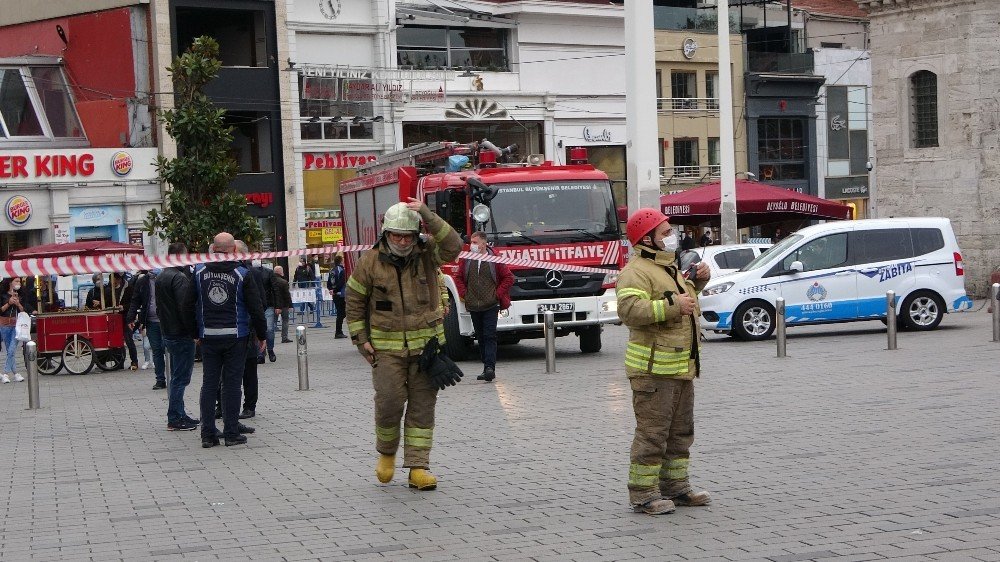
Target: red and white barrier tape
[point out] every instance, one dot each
(75, 265)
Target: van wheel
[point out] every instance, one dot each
(922, 311)
(753, 321)
(456, 346)
(590, 339)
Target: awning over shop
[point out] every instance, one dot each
(82, 249)
(756, 204)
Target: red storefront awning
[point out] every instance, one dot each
(82, 249)
(756, 204)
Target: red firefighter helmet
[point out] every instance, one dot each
(642, 222)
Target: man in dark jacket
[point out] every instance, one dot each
(484, 287)
(266, 278)
(142, 314)
(228, 311)
(255, 351)
(282, 300)
(336, 282)
(176, 311)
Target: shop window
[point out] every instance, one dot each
(683, 90)
(241, 34)
(36, 102)
(781, 149)
(251, 147)
(336, 108)
(472, 48)
(923, 109)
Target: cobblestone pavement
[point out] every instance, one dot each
(841, 451)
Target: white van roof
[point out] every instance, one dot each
(873, 224)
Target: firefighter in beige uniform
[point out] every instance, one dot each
(660, 308)
(393, 309)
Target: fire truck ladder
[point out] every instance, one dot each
(416, 155)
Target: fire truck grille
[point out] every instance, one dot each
(543, 284)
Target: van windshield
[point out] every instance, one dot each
(772, 251)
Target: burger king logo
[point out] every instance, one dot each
(18, 210)
(121, 163)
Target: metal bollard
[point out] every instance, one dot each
(779, 309)
(890, 317)
(550, 341)
(31, 363)
(996, 311)
(303, 354)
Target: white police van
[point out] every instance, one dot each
(840, 272)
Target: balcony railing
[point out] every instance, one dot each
(689, 174)
(785, 63)
(664, 105)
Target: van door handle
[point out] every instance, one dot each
(868, 270)
(843, 273)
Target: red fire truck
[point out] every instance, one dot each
(529, 210)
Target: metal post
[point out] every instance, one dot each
(303, 354)
(995, 294)
(779, 308)
(550, 341)
(31, 363)
(890, 317)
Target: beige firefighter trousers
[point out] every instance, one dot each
(664, 432)
(398, 383)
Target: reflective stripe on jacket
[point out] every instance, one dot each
(395, 303)
(661, 340)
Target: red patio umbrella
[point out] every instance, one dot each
(82, 249)
(756, 204)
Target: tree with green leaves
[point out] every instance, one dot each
(200, 202)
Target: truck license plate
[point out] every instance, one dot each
(556, 307)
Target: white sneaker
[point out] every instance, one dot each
(4, 378)
(18, 378)
(145, 365)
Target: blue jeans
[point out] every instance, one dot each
(272, 323)
(8, 335)
(181, 364)
(156, 344)
(485, 323)
(222, 360)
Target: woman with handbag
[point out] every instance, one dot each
(10, 307)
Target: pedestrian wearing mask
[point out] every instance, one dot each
(660, 308)
(282, 300)
(11, 304)
(485, 289)
(304, 278)
(142, 315)
(393, 312)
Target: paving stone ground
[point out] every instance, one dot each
(842, 451)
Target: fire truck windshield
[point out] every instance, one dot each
(570, 209)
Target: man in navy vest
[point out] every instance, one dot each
(228, 310)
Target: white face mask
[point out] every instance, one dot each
(255, 263)
(669, 243)
(15, 286)
(475, 248)
(400, 250)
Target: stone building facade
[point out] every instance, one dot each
(936, 86)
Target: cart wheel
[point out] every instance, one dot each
(110, 360)
(49, 364)
(78, 356)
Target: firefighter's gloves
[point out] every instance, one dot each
(368, 352)
(440, 369)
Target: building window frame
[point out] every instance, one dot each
(684, 89)
(445, 46)
(41, 113)
(781, 148)
(923, 109)
(686, 157)
(324, 114)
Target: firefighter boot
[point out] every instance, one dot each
(385, 468)
(692, 498)
(658, 506)
(422, 479)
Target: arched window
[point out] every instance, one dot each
(923, 109)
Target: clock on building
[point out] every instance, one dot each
(330, 8)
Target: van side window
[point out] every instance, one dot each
(883, 245)
(821, 253)
(926, 240)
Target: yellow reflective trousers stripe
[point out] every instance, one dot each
(357, 286)
(659, 363)
(643, 475)
(418, 437)
(387, 433)
(675, 469)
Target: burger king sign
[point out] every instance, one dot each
(121, 163)
(18, 210)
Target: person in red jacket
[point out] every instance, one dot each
(484, 287)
